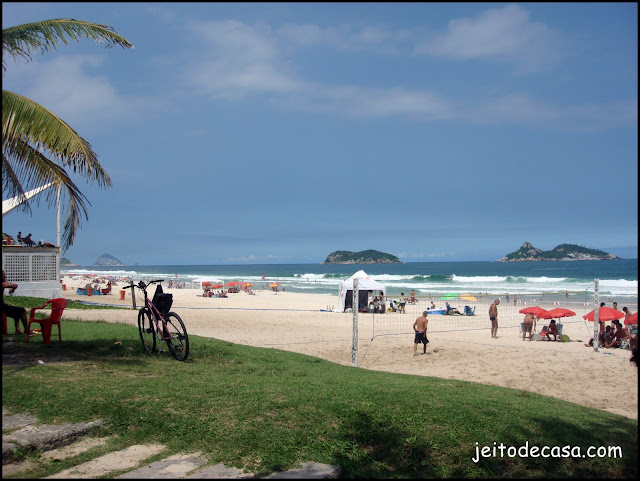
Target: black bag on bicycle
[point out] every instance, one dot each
(162, 301)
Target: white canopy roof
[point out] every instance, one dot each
(10, 204)
(365, 283)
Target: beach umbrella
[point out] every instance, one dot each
(468, 297)
(535, 310)
(558, 312)
(232, 283)
(243, 284)
(206, 283)
(632, 319)
(605, 314)
(275, 284)
(451, 295)
(248, 285)
(216, 286)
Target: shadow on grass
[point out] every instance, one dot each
(378, 449)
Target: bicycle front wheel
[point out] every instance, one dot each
(145, 326)
(177, 337)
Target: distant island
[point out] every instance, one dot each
(563, 252)
(67, 263)
(108, 260)
(363, 257)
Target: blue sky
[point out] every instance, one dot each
(278, 133)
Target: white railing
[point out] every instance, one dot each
(36, 270)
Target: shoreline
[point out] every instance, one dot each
(460, 346)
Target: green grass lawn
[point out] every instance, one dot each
(265, 410)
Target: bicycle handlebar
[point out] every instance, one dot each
(141, 284)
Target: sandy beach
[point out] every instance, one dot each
(300, 323)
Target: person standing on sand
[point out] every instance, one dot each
(493, 317)
(403, 301)
(529, 322)
(420, 328)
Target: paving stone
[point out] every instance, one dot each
(16, 468)
(309, 471)
(124, 459)
(176, 466)
(44, 437)
(219, 471)
(74, 449)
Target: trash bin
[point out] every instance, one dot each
(122, 293)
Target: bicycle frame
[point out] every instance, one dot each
(156, 316)
(172, 332)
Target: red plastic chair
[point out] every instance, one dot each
(57, 306)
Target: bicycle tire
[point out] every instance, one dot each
(178, 341)
(145, 327)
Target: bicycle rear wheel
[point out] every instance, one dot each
(145, 326)
(178, 339)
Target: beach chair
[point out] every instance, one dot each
(469, 312)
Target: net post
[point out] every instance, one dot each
(354, 337)
(596, 324)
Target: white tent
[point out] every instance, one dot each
(365, 284)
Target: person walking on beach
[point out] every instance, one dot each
(493, 317)
(403, 301)
(420, 328)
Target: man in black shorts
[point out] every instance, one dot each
(420, 328)
(493, 317)
(18, 313)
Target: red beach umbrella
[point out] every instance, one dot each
(535, 310)
(605, 314)
(216, 286)
(632, 319)
(558, 312)
(232, 283)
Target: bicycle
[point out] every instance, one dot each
(155, 322)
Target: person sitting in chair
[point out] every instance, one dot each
(28, 242)
(552, 330)
(618, 336)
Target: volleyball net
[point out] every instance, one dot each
(453, 312)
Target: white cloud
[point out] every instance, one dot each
(64, 86)
(507, 33)
(237, 60)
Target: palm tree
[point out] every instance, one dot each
(37, 146)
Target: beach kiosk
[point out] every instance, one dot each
(365, 286)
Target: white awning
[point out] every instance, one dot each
(10, 204)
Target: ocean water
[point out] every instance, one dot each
(617, 278)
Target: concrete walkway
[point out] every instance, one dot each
(55, 442)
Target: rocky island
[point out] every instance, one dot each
(563, 252)
(363, 257)
(108, 260)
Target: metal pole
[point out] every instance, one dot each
(354, 337)
(58, 232)
(596, 317)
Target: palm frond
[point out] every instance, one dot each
(25, 121)
(24, 40)
(37, 170)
